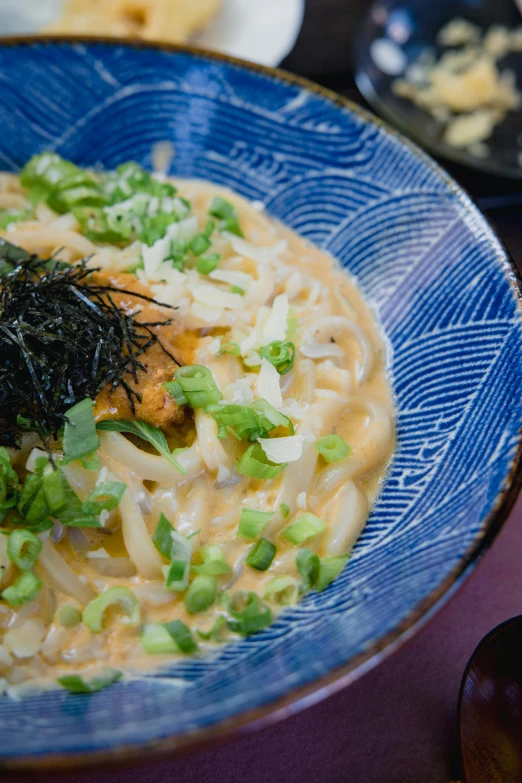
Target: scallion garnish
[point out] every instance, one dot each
(9, 482)
(182, 636)
(206, 264)
(23, 589)
(162, 536)
(303, 528)
(120, 597)
(281, 355)
(247, 612)
(282, 590)
(156, 640)
(75, 683)
(224, 210)
(105, 497)
(252, 522)
(198, 385)
(284, 510)
(255, 464)
(201, 594)
(164, 638)
(176, 392)
(307, 563)
(147, 432)
(213, 562)
(261, 555)
(332, 448)
(231, 348)
(177, 574)
(91, 462)
(79, 432)
(217, 632)
(23, 548)
(69, 616)
(329, 569)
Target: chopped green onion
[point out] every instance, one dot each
(284, 510)
(231, 348)
(177, 574)
(8, 484)
(23, 549)
(201, 594)
(198, 385)
(91, 462)
(176, 392)
(182, 636)
(248, 614)
(147, 432)
(155, 227)
(303, 528)
(282, 590)
(69, 616)
(164, 638)
(240, 420)
(105, 497)
(79, 433)
(199, 245)
(291, 326)
(329, 569)
(206, 264)
(235, 289)
(59, 183)
(218, 631)
(281, 355)
(252, 522)
(222, 209)
(272, 418)
(162, 536)
(74, 683)
(32, 505)
(261, 555)
(8, 216)
(156, 640)
(213, 562)
(332, 448)
(307, 563)
(255, 463)
(53, 487)
(121, 597)
(23, 589)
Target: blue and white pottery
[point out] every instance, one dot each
(447, 297)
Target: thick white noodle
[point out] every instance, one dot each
(210, 446)
(316, 342)
(194, 511)
(305, 378)
(348, 520)
(60, 575)
(136, 537)
(42, 239)
(150, 467)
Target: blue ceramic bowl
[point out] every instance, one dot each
(448, 299)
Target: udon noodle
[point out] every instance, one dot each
(283, 332)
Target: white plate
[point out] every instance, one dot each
(262, 31)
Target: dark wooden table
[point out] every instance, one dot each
(396, 724)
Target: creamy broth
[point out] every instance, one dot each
(269, 286)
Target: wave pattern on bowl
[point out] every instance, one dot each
(432, 270)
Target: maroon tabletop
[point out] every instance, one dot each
(397, 723)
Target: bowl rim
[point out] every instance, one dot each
(340, 677)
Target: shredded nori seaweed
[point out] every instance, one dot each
(62, 339)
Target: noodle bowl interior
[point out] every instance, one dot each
(228, 464)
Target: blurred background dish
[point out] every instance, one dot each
(448, 74)
(262, 32)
